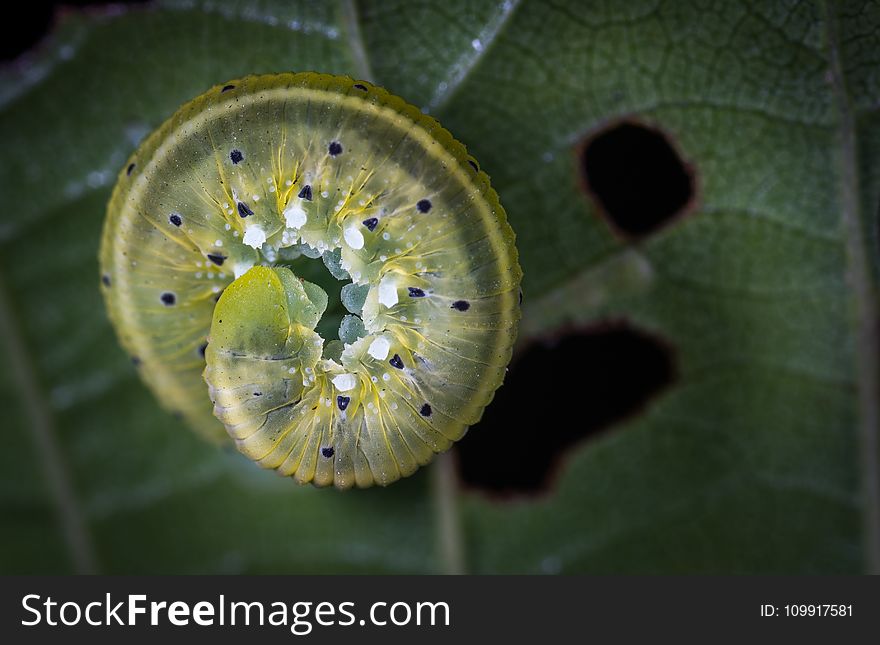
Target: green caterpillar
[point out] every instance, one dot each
(215, 205)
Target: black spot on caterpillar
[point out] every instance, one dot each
(344, 413)
(244, 210)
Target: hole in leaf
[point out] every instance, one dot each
(34, 20)
(557, 394)
(30, 27)
(637, 178)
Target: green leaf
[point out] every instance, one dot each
(761, 456)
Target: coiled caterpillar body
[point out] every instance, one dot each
(263, 170)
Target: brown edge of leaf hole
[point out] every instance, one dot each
(559, 462)
(690, 207)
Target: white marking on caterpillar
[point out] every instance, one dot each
(379, 348)
(295, 215)
(254, 237)
(388, 291)
(354, 238)
(344, 382)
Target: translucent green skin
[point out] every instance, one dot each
(414, 219)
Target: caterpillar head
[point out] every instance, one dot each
(206, 230)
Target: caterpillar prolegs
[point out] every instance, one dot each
(216, 205)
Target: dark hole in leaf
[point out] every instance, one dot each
(556, 395)
(637, 177)
(34, 20)
(30, 27)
